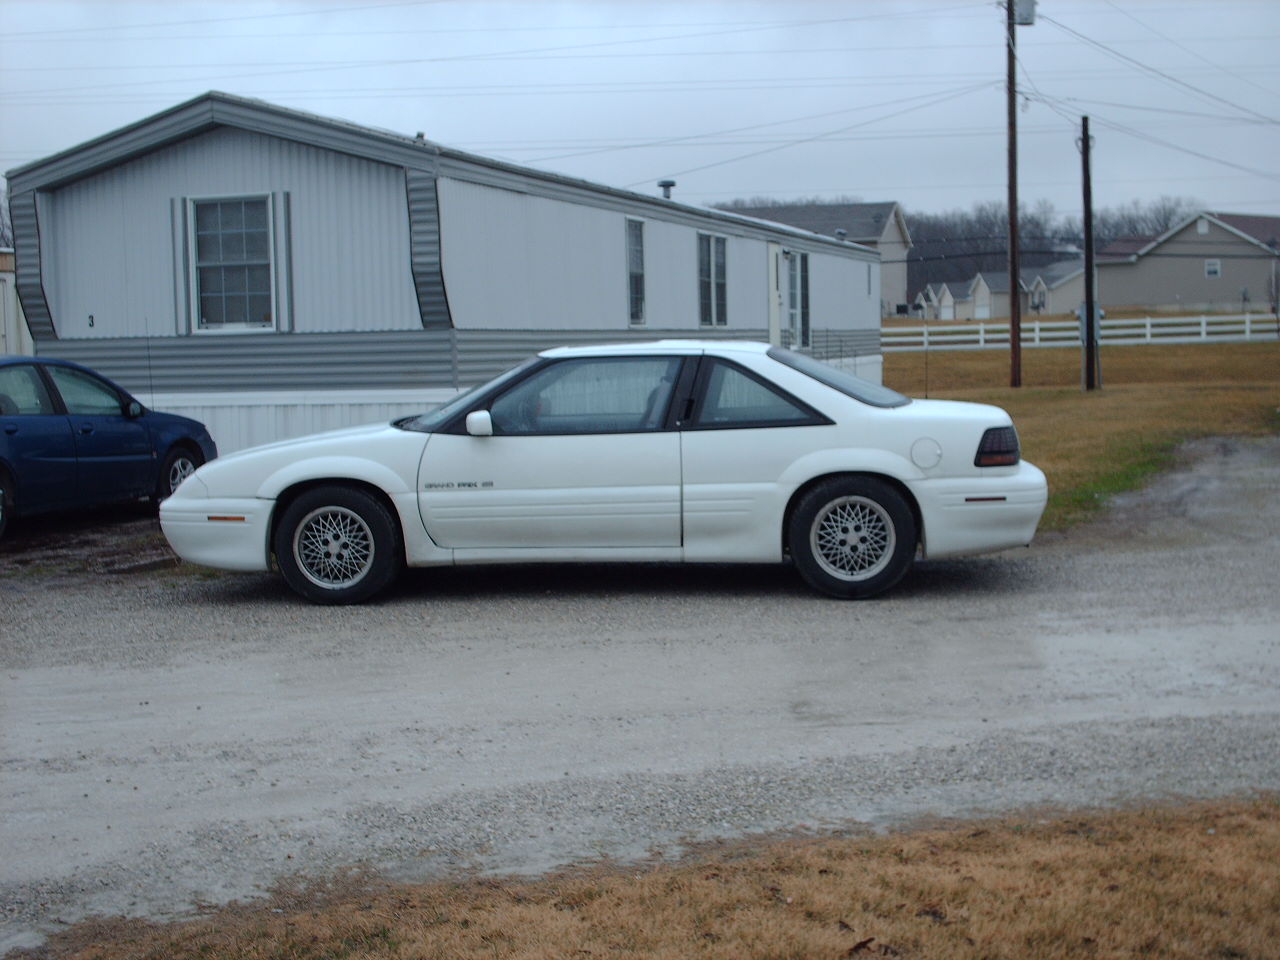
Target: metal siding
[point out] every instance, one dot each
(343, 361)
(424, 249)
(26, 242)
(513, 261)
(111, 237)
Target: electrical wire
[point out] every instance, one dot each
(756, 153)
(1115, 54)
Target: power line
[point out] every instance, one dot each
(417, 61)
(1152, 70)
(756, 153)
(1185, 48)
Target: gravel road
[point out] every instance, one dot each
(171, 737)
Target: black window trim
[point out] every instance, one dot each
(699, 398)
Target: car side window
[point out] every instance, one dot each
(82, 394)
(22, 392)
(591, 395)
(733, 398)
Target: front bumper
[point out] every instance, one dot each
(981, 514)
(230, 534)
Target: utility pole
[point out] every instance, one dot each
(1090, 325)
(1015, 306)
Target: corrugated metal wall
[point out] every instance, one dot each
(110, 237)
(349, 361)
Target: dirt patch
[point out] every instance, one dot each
(119, 539)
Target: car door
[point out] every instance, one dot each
(741, 436)
(580, 457)
(113, 450)
(35, 441)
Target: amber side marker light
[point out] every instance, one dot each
(998, 448)
(226, 519)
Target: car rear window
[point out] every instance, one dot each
(842, 380)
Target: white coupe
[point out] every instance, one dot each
(698, 451)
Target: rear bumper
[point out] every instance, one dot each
(230, 534)
(981, 514)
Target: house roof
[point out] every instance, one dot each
(1124, 248)
(215, 109)
(862, 222)
(1263, 231)
(1053, 274)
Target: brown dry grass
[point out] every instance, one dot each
(1095, 444)
(1196, 882)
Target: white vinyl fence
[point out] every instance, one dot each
(981, 335)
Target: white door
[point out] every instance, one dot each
(581, 457)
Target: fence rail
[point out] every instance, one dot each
(981, 335)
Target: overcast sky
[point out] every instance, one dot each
(874, 99)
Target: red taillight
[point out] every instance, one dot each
(998, 448)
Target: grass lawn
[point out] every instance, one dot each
(1196, 882)
(1095, 444)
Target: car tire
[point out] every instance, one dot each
(338, 545)
(852, 537)
(179, 464)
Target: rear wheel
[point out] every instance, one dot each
(852, 537)
(337, 545)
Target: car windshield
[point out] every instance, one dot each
(433, 420)
(837, 379)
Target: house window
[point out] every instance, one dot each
(1202, 226)
(635, 269)
(712, 290)
(232, 288)
(1213, 268)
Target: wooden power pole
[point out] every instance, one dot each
(1015, 305)
(1090, 326)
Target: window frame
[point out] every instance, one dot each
(713, 308)
(51, 405)
(676, 382)
(1213, 269)
(635, 317)
(51, 372)
(702, 382)
(798, 298)
(193, 268)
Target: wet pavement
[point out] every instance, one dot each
(171, 736)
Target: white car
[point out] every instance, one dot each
(697, 451)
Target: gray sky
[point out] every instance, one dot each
(876, 99)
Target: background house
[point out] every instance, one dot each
(1055, 288)
(877, 225)
(14, 337)
(274, 272)
(1217, 262)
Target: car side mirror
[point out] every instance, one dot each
(134, 410)
(480, 423)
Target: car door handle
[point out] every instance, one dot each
(86, 428)
(11, 428)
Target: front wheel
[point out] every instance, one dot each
(852, 537)
(178, 465)
(337, 545)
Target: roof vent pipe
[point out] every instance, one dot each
(841, 233)
(666, 186)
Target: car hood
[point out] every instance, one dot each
(347, 438)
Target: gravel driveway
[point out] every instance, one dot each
(170, 737)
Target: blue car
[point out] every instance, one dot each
(70, 438)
